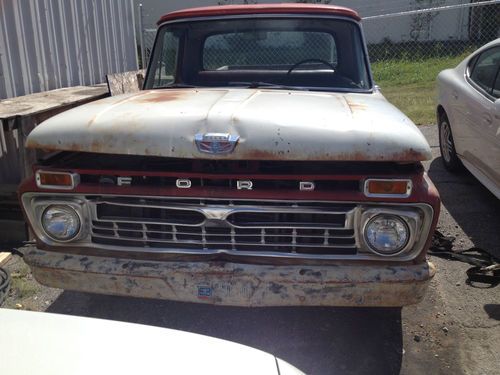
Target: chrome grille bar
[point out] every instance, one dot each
(193, 242)
(232, 232)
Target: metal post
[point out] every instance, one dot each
(141, 39)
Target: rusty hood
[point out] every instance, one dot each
(268, 124)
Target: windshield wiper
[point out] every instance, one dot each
(250, 85)
(177, 86)
(257, 84)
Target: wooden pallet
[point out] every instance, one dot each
(4, 258)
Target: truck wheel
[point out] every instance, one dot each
(447, 146)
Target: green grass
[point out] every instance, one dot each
(411, 85)
(21, 286)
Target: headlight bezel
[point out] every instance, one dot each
(394, 218)
(61, 207)
(40, 206)
(411, 218)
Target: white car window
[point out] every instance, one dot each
(485, 69)
(496, 86)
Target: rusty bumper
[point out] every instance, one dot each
(234, 284)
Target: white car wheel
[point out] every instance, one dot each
(447, 146)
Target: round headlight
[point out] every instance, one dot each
(386, 234)
(61, 223)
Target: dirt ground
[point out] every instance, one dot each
(455, 330)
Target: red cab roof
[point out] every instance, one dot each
(224, 10)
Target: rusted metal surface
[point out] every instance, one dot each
(271, 124)
(234, 284)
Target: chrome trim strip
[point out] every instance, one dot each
(205, 242)
(222, 212)
(228, 210)
(234, 234)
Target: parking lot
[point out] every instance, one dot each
(455, 330)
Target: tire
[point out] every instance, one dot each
(447, 146)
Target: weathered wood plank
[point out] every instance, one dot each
(4, 258)
(124, 83)
(30, 105)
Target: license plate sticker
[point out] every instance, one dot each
(224, 290)
(204, 291)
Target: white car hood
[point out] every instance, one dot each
(270, 124)
(52, 344)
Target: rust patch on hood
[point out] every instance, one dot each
(164, 96)
(405, 155)
(30, 143)
(262, 155)
(353, 106)
(409, 155)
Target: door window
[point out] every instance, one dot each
(496, 86)
(484, 72)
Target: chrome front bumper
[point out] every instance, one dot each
(234, 284)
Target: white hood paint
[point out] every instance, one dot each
(271, 124)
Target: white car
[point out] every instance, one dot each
(468, 114)
(53, 344)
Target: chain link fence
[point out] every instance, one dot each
(148, 37)
(429, 32)
(413, 29)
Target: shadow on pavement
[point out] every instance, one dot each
(316, 340)
(493, 310)
(474, 208)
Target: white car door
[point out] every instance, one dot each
(482, 119)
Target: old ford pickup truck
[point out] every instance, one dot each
(259, 166)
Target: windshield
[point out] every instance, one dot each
(300, 53)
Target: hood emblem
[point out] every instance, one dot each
(216, 143)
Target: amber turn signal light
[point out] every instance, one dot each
(56, 180)
(388, 188)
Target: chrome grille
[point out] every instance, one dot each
(214, 225)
